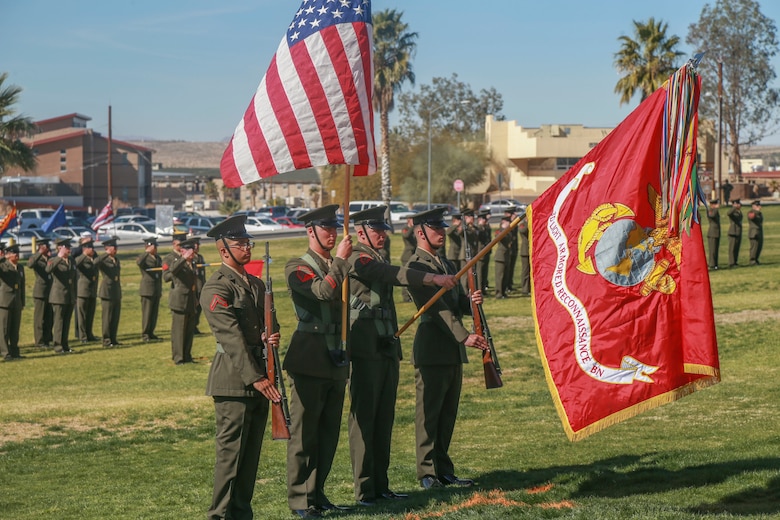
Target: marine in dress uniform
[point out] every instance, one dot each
(42, 311)
(514, 247)
(735, 231)
(179, 270)
(407, 235)
(63, 294)
(316, 361)
(200, 280)
(455, 239)
(438, 355)
(713, 232)
(469, 237)
(502, 259)
(523, 253)
(86, 291)
(376, 353)
(233, 305)
(484, 237)
(150, 289)
(755, 231)
(110, 291)
(11, 302)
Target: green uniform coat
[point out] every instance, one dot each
(182, 300)
(62, 298)
(755, 234)
(150, 291)
(110, 294)
(86, 296)
(42, 311)
(735, 235)
(713, 235)
(11, 304)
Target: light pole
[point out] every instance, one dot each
(430, 114)
(719, 157)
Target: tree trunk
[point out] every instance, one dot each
(387, 188)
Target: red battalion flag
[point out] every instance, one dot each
(314, 105)
(622, 300)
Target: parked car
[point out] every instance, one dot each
(272, 211)
(288, 222)
(200, 225)
(25, 236)
(73, 232)
(261, 225)
(297, 212)
(133, 231)
(34, 218)
(498, 206)
(124, 219)
(451, 208)
(399, 211)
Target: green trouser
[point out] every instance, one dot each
(182, 333)
(61, 328)
(436, 407)
(111, 311)
(150, 309)
(85, 309)
(315, 412)
(10, 319)
(373, 388)
(500, 278)
(756, 244)
(42, 322)
(734, 243)
(713, 243)
(240, 427)
(525, 274)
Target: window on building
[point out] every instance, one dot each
(565, 163)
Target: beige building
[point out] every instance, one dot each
(527, 161)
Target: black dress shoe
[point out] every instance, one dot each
(392, 495)
(330, 506)
(181, 363)
(430, 482)
(311, 512)
(452, 480)
(366, 502)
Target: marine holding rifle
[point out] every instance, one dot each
(438, 355)
(232, 302)
(316, 361)
(375, 353)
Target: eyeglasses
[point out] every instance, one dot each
(246, 246)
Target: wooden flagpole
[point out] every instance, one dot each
(345, 284)
(464, 270)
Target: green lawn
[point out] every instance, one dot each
(125, 434)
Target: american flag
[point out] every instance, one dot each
(314, 105)
(105, 216)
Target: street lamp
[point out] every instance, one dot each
(430, 114)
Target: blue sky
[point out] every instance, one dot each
(175, 69)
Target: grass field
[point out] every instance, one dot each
(125, 434)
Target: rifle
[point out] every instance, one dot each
(489, 359)
(280, 414)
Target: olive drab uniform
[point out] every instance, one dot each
(713, 235)
(503, 251)
(469, 235)
(375, 366)
(151, 293)
(484, 237)
(42, 311)
(735, 234)
(233, 306)
(438, 355)
(182, 300)
(11, 304)
(318, 369)
(454, 235)
(86, 296)
(200, 281)
(62, 298)
(755, 233)
(410, 244)
(525, 260)
(110, 294)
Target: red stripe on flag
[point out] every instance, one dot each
(228, 170)
(258, 146)
(365, 42)
(291, 130)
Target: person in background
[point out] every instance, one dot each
(407, 235)
(713, 232)
(502, 260)
(316, 362)
(376, 353)
(180, 272)
(455, 236)
(514, 247)
(525, 261)
(150, 288)
(200, 280)
(232, 301)
(86, 291)
(735, 231)
(110, 291)
(755, 231)
(63, 294)
(438, 355)
(11, 302)
(42, 311)
(484, 237)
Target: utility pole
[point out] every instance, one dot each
(110, 188)
(719, 158)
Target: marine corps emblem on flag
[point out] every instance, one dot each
(622, 301)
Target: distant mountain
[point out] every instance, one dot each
(184, 154)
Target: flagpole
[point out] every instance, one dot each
(459, 274)
(345, 284)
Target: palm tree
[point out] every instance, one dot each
(394, 48)
(647, 61)
(13, 152)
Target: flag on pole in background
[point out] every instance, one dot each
(105, 216)
(56, 220)
(314, 105)
(255, 268)
(622, 299)
(9, 221)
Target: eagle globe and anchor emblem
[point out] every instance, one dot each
(613, 245)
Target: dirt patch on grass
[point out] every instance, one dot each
(733, 318)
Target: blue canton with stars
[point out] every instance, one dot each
(315, 15)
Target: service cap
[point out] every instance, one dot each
(232, 228)
(432, 218)
(371, 217)
(322, 217)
